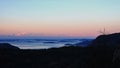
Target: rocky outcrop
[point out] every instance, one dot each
(116, 55)
(7, 46)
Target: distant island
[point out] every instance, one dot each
(102, 52)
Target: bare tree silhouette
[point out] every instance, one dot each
(103, 32)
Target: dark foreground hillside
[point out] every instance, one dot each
(65, 57)
(94, 56)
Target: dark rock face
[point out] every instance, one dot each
(7, 46)
(116, 55)
(111, 40)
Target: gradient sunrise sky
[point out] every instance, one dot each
(83, 18)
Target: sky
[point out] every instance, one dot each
(74, 18)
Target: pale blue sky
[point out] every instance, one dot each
(59, 8)
(93, 13)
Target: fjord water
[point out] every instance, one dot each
(39, 43)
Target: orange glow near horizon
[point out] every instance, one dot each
(75, 18)
(60, 28)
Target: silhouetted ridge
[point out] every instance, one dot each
(111, 40)
(83, 43)
(7, 46)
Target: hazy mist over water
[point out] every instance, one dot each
(39, 43)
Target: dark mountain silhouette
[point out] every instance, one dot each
(84, 43)
(111, 40)
(103, 52)
(7, 46)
